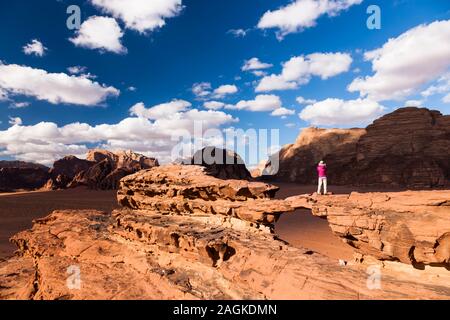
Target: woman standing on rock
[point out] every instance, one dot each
(322, 172)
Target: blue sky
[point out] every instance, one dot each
(46, 111)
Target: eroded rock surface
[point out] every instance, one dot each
(18, 175)
(146, 252)
(412, 227)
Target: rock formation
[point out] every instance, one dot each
(410, 227)
(101, 169)
(406, 148)
(181, 235)
(18, 175)
(220, 163)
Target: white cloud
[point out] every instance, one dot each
(299, 70)
(290, 125)
(15, 121)
(52, 87)
(414, 103)
(101, 33)
(255, 64)
(302, 14)
(45, 142)
(141, 15)
(35, 47)
(404, 64)
(301, 100)
(341, 112)
(201, 89)
(446, 99)
(259, 73)
(77, 69)
(224, 90)
(442, 86)
(238, 33)
(262, 102)
(281, 112)
(214, 105)
(164, 110)
(20, 105)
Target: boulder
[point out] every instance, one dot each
(221, 163)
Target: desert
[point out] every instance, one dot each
(226, 158)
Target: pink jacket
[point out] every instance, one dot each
(322, 170)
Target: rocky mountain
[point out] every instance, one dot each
(102, 169)
(18, 175)
(183, 234)
(409, 147)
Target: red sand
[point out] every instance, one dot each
(17, 211)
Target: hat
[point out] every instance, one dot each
(321, 162)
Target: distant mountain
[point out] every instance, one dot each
(409, 147)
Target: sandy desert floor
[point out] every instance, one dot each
(17, 211)
(299, 228)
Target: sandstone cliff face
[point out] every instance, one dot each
(406, 148)
(16, 175)
(298, 161)
(187, 251)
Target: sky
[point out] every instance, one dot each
(143, 74)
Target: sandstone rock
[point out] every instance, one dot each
(109, 168)
(191, 190)
(220, 163)
(186, 235)
(412, 227)
(183, 257)
(406, 148)
(65, 170)
(19, 175)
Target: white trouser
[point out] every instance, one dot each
(322, 181)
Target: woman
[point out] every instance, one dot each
(322, 172)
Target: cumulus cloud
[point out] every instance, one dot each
(141, 15)
(15, 121)
(301, 100)
(446, 99)
(282, 112)
(35, 47)
(255, 64)
(406, 63)
(214, 105)
(299, 70)
(341, 112)
(52, 87)
(201, 89)
(102, 33)
(224, 90)
(152, 132)
(77, 69)
(302, 14)
(164, 110)
(262, 103)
